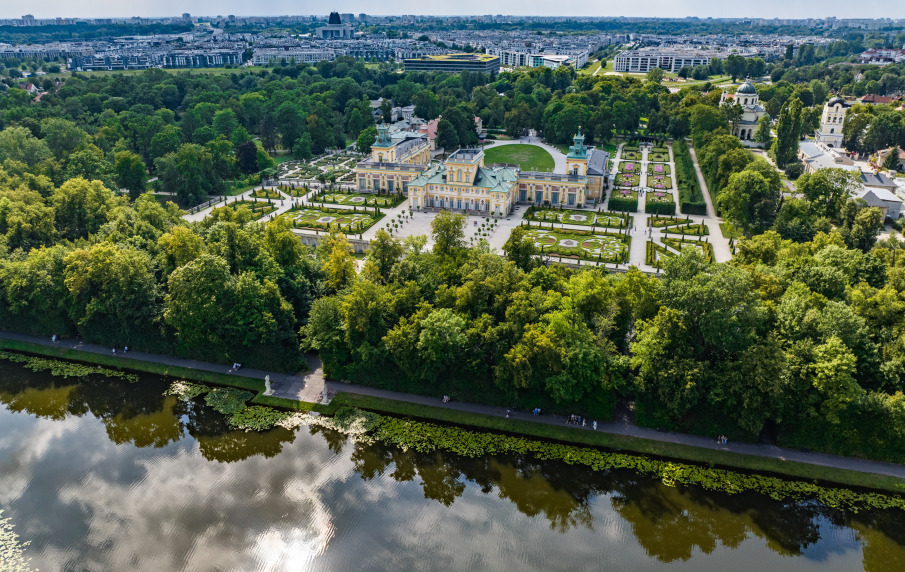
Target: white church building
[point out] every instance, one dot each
(746, 96)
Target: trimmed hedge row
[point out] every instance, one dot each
(691, 198)
(623, 204)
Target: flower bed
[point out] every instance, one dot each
(628, 180)
(358, 199)
(659, 203)
(659, 182)
(657, 169)
(678, 244)
(631, 155)
(576, 217)
(623, 200)
(582, 245)
(344, 220)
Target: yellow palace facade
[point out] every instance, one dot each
(464, 183)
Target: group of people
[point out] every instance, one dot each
(536, 411)
(125, 349)
(578, 420)
(236, 366)
(445, 399)
(722, 439)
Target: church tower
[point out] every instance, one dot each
(830, 133)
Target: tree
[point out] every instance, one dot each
(338, 262)
(81, 207)
(62, 136)
(197, 301)
(654, 75)
(355, 124)
(366, 139)
(384, 252)
(763, 134)
(442, 337)
(520, 249)
(427, 106)
(18, 144)
(167, 140)
(446, 136)
(891, 163)
(113, 297)
(732, 114)
(448, 232)
(788, 130)
(736, 66)
(247, 157)
(738, 197)
(386, 109)
(130, 173)
(302, 147)
(828, 189)
(189, 173)
(225, 122)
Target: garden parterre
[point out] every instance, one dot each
(603, 247)
(347, 221)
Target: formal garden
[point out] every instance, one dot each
(699, 229)
(352, 199)
(267, 194)
(628, 175)
(576, 217)
(658, 154)
(657, 169)
(659, 181)
(330, 168)
(659, 202)
(604, 247)
(631, 152)
(345, 220)
(257, 208)
(623, 200)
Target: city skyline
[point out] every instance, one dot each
(567, 8)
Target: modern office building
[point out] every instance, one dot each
(484, 63)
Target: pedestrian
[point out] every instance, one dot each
(595, 425)
(54, 338)
(507, 414)
(125, 349)
(114, 351)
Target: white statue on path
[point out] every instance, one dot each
(267, 389)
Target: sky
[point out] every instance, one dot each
(646, 8)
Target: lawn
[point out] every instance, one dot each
(347, 221)
(657, 169)
(576, 217)
(630, 179)
(586, 245)
(679, 244)
(730, 231)
(659, 182)
(358, 199)
(527, 157)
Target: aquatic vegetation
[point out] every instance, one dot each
(186, 390)
(61, 368)
(257, 418)
(12, 552)
(227, 400)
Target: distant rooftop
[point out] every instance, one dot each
(467, 155)
(460, 57)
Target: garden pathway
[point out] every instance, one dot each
(309, 387)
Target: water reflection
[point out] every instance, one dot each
(109, 475)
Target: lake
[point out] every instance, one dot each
(106, 475)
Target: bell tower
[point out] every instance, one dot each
(577, 159)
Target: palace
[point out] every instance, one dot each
(463, 182)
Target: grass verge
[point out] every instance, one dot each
(625, 443)
(123, 362)
(730, 231)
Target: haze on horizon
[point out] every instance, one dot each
(651, 8)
